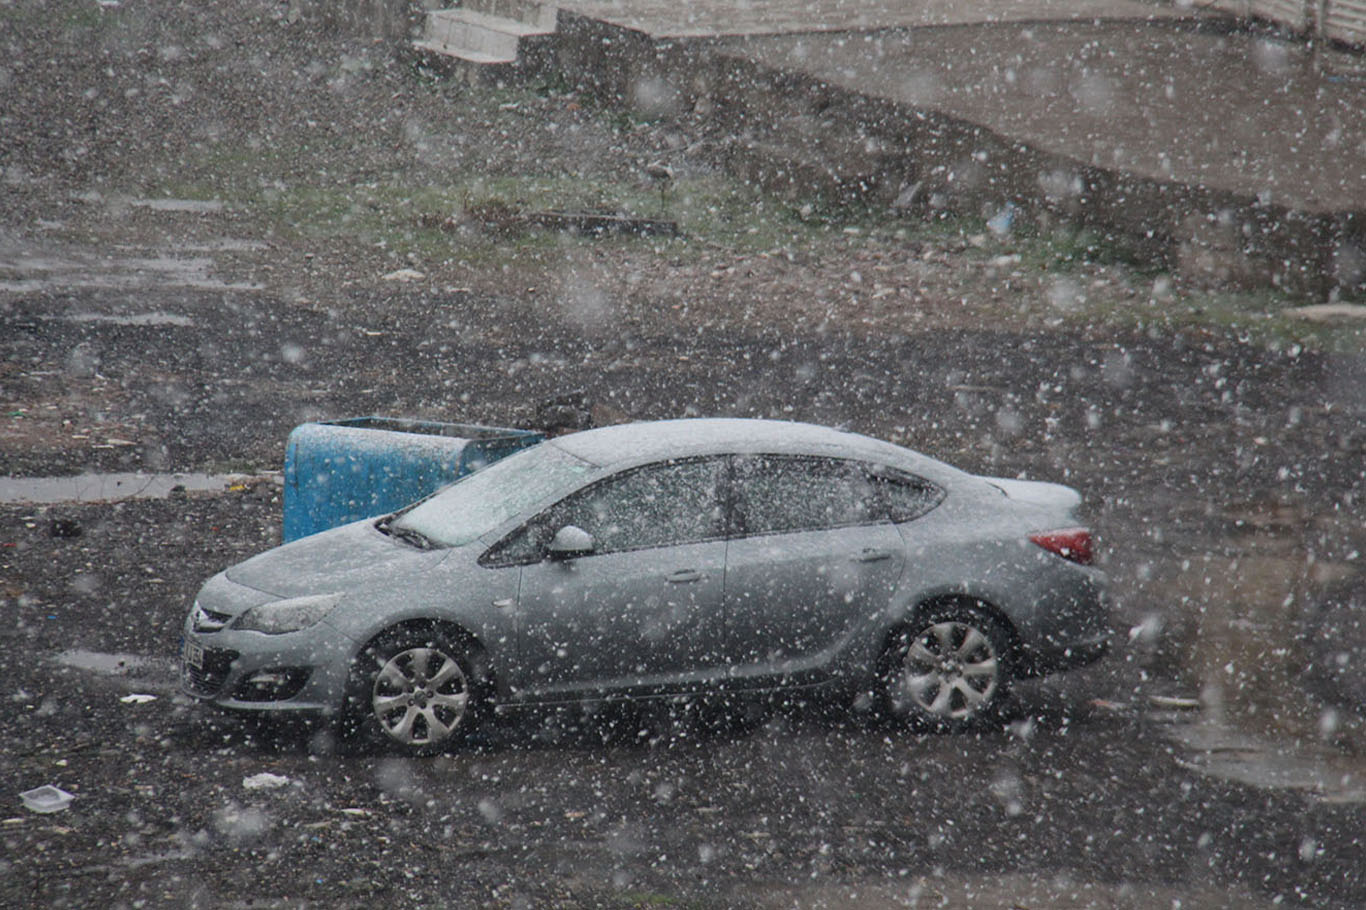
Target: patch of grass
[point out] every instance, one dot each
(1261, 318)
(1257, 318)
(711, 209)
(72, 15)
(1071, 247)
(553, 83)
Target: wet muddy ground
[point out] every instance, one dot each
(1081, 802)
(169, 304)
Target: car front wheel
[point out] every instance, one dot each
(412, 691)
(950, 669)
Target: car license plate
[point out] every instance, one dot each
(192, 654)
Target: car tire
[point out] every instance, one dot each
(411, 691)
(949, 669)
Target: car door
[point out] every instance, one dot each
(811, 554)
(644, 608)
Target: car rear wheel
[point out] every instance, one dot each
(412, 691)
(950, 669)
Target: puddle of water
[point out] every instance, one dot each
(193, 206)
(107, 487)
(1232, 624)
(170, 856)
(86, 271)
(157, 676)
(137, 319)
(124, 282)
(115, 664)
(997, 892)
(1214, 749)
(1244, 655)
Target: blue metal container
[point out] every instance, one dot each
(338, 471)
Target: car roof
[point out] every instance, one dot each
(639, 442)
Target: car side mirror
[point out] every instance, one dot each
(569, 542)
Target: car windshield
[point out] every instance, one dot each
(475, 505)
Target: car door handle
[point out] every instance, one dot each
(868, 554)
(683, 576)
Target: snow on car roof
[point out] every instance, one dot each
(661, 439)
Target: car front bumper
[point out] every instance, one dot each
(251, 671)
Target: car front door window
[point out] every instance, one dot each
(657, 506)
(642, 610)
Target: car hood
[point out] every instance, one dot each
(342, 559)
(1037, 493)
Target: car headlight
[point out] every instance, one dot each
(287, 615)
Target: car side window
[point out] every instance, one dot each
(779, 493)
(663, 504)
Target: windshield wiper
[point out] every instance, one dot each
(409, 536)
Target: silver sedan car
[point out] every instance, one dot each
(658, 561)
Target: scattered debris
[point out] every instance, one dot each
(46, 799)
(264, 781)
(565, 413)
(1001, 223)
(595, 224)
(64, 528)
(499, 218)
(1174, 703)
(404, 275)
(1329, 312)
(115, 487)
(492, 216)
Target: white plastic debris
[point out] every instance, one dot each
(264, 781)
(404, 275)
(46, 799)
(1174, 703)
(1329, 312)
(137, 698)
(1001, 223)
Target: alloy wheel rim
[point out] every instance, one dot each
(950, 670)
(420, 696)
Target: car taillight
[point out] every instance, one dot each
(1070, 543)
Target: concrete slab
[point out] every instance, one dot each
(1225, 112)
(716, 18)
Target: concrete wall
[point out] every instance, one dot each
(1338, 20)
